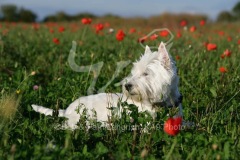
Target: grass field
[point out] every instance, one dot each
(35, 70)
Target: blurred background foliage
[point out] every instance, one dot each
(12, 13)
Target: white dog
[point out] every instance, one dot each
(153, 82)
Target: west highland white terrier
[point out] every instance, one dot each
(153, 82)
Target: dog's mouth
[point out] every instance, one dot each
(132, 94)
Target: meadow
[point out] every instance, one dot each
(35, 70)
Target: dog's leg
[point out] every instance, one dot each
(180, 112)
(47, 111)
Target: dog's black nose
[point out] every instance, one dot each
(128, 86)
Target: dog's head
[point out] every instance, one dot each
(153, 78)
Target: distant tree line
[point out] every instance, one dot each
(12, 13)
(229, 16)
(62, 16)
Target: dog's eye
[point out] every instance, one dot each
(145, 74)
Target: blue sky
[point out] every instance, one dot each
(126, 8)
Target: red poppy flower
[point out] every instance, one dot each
(183, 23)
(120, 35)
(193, 29)
(222, 55)
(89, 20)
(99, 27)
(239, 41)
(164, 33)
(132, 30)
(56, 40)
(24, 26)
(35, 26)
(107, 25)
(202, 22)
(178, 57)
(227, 53)
(179, 35)
(153, 37)
(172, 126)
(86, 21)
(211, 46)
(61, 29)
(51, 30)
(221, 33)
(5, 31)
(222, 69)
(229, 38)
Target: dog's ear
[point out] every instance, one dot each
(164, 55)
(147, 49)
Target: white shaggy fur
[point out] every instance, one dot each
(153, 79)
